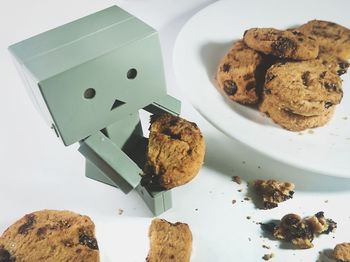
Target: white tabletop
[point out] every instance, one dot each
(38, 172)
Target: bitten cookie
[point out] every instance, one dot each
(306, 88)
(238, 74)
(169, 242)
(342, 252)
(50, 236)
(283, 44)
(176, 151)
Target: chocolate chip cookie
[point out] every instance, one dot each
(334, 42)
(283, 44)
(175, 154)
(169, 242)
(290, 120)
(332, 38)
(50, 236)
(305, 88)
(238, 75)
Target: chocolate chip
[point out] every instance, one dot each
(269, 227)
(226, 67)
(282, 46)
(230, 87)
(86, 240)
(5, 256)
(328, 104)
(322, 75)
(23, 229)
(248, 76)
(298, 33)
(331, 226)
(250, 86)
(267, 91)
(269, 77)
(306, 78)
(41, 232)
(300, 39)
(341, 72)
(343, 64)
(330, 86)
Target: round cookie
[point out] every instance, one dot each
(50, 236)
(237, 74)
(292, 121)
(175, 154)
(332, 38)
(306, 88)
(290, 44)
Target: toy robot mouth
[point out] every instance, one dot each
(117, 103)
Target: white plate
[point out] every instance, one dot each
(205, 39)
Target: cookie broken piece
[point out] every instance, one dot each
(169, 242)
(50, 236)
(176, 151)
(273, 192)
(300, 232)
(341, 252)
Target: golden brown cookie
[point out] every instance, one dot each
(306, 88)
(283, 44)
(176, 151)
(334, 41)
(292, 121)
(238, 74)
(341, 252)
(50, 236)
(169, 242)
(332, 38)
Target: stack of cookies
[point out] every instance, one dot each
(293, 75)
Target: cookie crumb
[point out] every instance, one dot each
(249, 217)
(345, 118)
(266, 247)
(310, 131)
(268, 256)
(234, 201)
(239, 190)
(120, 211)
(326, 201)
(243, 162)
(300, 134)
(237, 179)
(196, 209)
(249, 239)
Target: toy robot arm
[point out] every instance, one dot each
(166, 104)
(114, 166)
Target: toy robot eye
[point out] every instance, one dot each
(89, 93)
(132, 73)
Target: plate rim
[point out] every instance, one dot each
(241, 139)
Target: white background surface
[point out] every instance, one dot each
(38, 172)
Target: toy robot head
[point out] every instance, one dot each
(92, 72)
